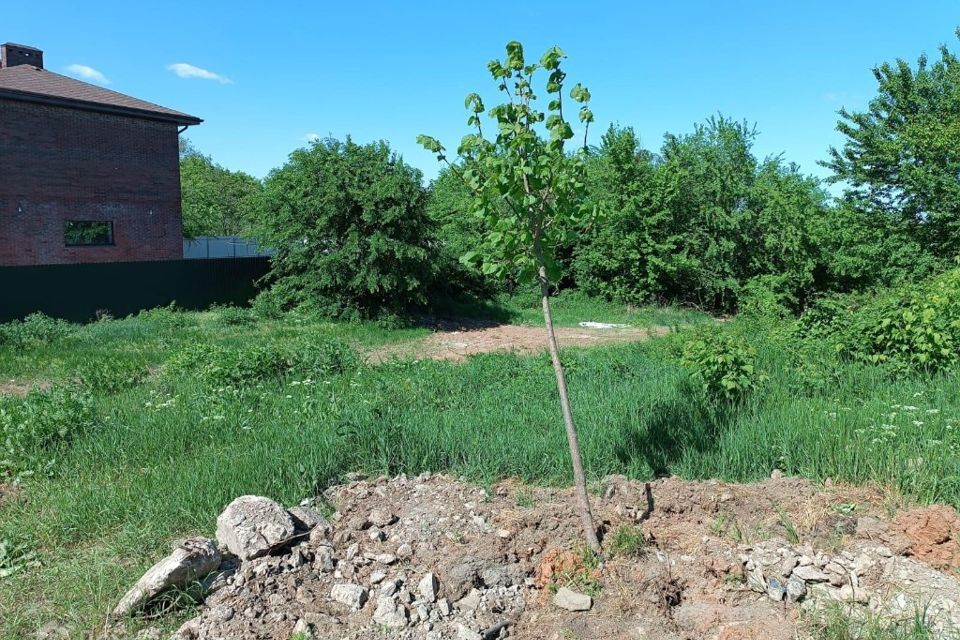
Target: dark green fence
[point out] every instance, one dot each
(78, 291)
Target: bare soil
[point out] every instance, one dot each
(499, 553)
(20, 389)
(456, 340)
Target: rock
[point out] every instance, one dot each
(390, 613)
(251, 526)
(352, 595)
(796, 589)
(443, 606)
(788, 565)
(427, 588)
(307, 519)
(776, 590)
(389, 588)
(776, 474)
(381, 518)
(756, 581)
(54, 631)
(304, 629)
(571, 600)
(194, 559)
(810, 573)
(469, 602)
(323, 559)
(377, 577)
(189, 630)
(150, 633)
(386, 558)
(466, 633)
(404, 551)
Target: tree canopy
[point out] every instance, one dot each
(349, 225)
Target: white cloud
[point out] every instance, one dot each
(87, 73)
(185, 70)
(312, 137)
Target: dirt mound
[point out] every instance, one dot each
(433, 558)
(457, 342)
(933, 534)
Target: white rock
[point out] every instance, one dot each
(381, 518)
(571, 600)
(251, 526)
(191, 561)
(427, 587)
(809, 573)
(352, 595)
(390, 613)
(466, 633)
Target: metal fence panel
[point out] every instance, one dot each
(78, 291)
(206, 247)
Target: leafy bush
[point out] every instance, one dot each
(221, 366)
(35, 429)
(914, 327)
(111, 375)
(234, 316)
(267, 306)
(33, 331)
(321, 357)
(764, 299)
(920, 329)
(724, 366)
(167, 318)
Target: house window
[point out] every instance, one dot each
(85, 233)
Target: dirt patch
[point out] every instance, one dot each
(20, 389)
(8, 493)
(711, 559)
(933, 535)
(456, 342)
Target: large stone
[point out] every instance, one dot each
(352, 595)
(466, 633)
(796, 589)
(571, 600)
(427, 588)
(810, 574)
(251, 526)
(191, 561)
(390, 613)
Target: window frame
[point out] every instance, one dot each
(74, 245)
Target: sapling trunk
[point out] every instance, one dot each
(579, 479)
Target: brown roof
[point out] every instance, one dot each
(25, 82)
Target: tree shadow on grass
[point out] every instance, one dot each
(672, 429)
(465, 312)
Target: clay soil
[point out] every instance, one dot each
(456, 341)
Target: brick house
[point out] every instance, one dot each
(86, 174)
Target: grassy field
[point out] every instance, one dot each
(160, 456)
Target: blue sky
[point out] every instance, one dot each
(265, 76)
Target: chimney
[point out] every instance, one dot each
(12, 55)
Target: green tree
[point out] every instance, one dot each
(215, 200)
(349, 225)
(457, 233)
(530, 195)
(901, 157)
(696, 222)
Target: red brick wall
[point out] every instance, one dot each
(59, 164)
